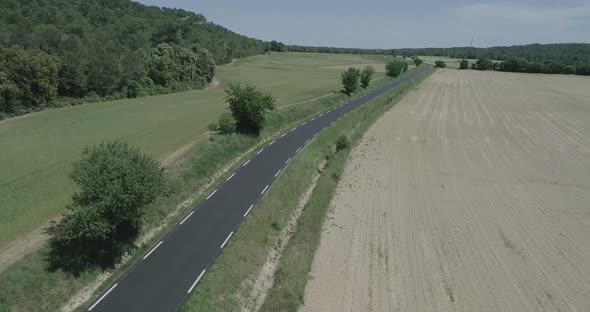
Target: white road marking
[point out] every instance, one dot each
(321, 115)
(271, 143)
(231, 176)
(185, 218)
(288, 160)
(297, 151)
(149, 253)
(248, 211)
(303, 124)
(246, 162)
(211, 194)
(105, 294)
(324, 128)
(265, 188)
(313, 118)
(339, 118)
(294, 129)
(195, 283)
(284, 134)
(315, 135)
(260, 151)
(333, 122)
(307, 141)
(225, 241)
(277, 174)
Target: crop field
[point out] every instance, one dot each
(451, 62)
(470, 195)
(38, 149)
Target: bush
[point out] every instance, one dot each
(116, 184)
(569, 70)
(248, 107)
(350, 80)
(342, 142)
(394, 67)
(473, 66)
(227, 124)
(417, 61)
(464, 64)
(213, 127)
(440, 64)
(484, 64)
(366, 75)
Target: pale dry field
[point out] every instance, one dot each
(472, 194)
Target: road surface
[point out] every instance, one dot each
(169, 272)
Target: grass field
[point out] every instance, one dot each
(38, 149)
(451, 62)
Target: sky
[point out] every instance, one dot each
(398, 24)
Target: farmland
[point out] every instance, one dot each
(470, 195)
(38, 149)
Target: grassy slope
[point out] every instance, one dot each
(29, 286)
(227, 282)
(38, 149)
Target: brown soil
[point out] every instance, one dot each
(472, 194)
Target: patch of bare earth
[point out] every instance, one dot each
(472, 194)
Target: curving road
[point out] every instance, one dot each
(165, 277)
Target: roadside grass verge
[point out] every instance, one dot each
(227, 284)
(28, 285)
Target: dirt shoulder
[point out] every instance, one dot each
(470, 195)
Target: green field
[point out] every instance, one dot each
(451, 62)
(38, 149)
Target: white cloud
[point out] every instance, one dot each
(548, 16)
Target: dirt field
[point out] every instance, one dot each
(472, 194)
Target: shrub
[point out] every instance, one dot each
(116, 184)
(473, 66)
(417, 61)
(350, 80)
(464, 64)
(440, 64)
(484, 64)
(248, 106)
(569, 70)
(342, 142)
(394, 67)
(212, 127)
(366, 75)
(227, 124)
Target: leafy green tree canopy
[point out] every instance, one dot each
(440, 64)
(464, 64)
(394, 67)
(116, 184)
(366, 75)
(248, 106)
(350, 80)
(484, 64)
(417, 61)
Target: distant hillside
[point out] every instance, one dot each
(106, 49)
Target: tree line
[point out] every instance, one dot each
(107, 49)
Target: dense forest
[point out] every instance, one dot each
(57, 52)
(558, 58)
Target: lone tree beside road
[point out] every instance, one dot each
(248, 106)
(417, 61)
(394, 67)
(440, 64)
(366, 75)
(116, 184)
(350, 80)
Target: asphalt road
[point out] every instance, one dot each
(165, 277)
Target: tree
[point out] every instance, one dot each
(464, 64)
(350, 80)
(484, 64)
(440, 64)
(116, 183)
(394, 67)
(248, 106)
(366, 75)
(417, 61)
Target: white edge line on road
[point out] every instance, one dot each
(231, 176)
(186, 218)
(211, 194)
(303, 124)
(313, 139)
(321, 115)
(271, 143)
(324, 128)
(149, 253)
(260, 151)
(195, 283)
(294, 129)
(265, 188)
(284, 134)
(248, 211)
(313, 118)
(307, 141)
(315, 135)
(225, 241)
(297, 151)
(277, 174)
(333, 122)
(288, 160)
(246, 162)
(105, 294)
